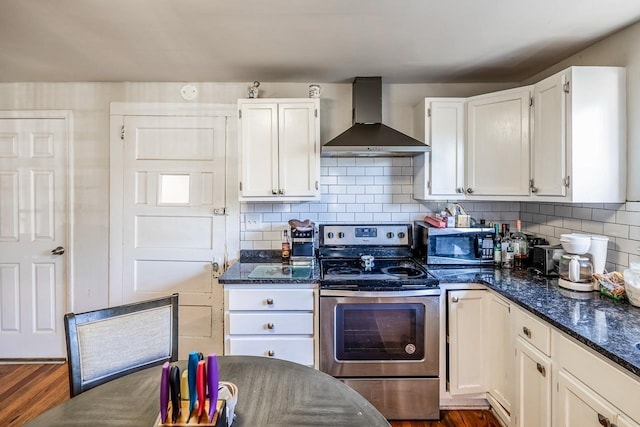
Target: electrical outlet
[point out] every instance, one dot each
(252, 221)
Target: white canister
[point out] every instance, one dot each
(314, 91)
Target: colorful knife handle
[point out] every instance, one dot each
(213, 377)
(192, 369)
(164, 392)
(201, 386)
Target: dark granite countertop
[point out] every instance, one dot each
(238, 272)
(609, 327)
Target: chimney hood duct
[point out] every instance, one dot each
(368, 136)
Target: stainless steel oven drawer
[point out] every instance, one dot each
(401, 398)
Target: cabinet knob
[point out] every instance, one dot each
(469, 190)
(270, 326)
(274, 191)
(526, 331)
(604, 421)
(454, 299)
(269, 301)
(541, 369)
(460, 190)
(271, 353)
(281, 191)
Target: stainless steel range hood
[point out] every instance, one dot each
(368, 136)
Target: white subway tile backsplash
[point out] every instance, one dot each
(592, 227)
(603, 215)
(374, 171)
(381, 190)
(365, 180)
(582, 213)
(632, 206)
(564, 211)
(628, 217)
(346, 180)
(616, 230)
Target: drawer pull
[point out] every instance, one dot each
(541, 369)
(269, 301)
(270, 326)
(604, 421)
(526, 331)
(271, 353)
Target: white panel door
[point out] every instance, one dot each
(33, 222)
(444, 129)
(259, 150)
(299, 164)
(466, 343)
(174, 179)
(500, 346)
(498, 143)
(533, 387)
(550, 137)
(578, 405)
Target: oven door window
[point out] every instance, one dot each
(379, 331)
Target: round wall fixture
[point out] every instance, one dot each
(188, 92)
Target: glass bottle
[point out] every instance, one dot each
(286, 247)
(507, 248)
(497, 246)
(520, 252)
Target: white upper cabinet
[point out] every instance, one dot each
(279, 149)
(497, 149)
(439, 174)
(579, 136)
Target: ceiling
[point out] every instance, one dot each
(330, 41)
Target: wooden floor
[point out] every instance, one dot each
(28, 390)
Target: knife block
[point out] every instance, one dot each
(219, 419)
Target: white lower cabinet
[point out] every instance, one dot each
(467, 368)
(577, 405)
(533, 386)
(500, 361)
(271, 322)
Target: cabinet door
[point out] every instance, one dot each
(624, 421)
(533, 387)
(441, 172)
(500, 346)
(498, 144)
(298, 150)
(259, 149)
(466, 344)
(578, 405)
(549, 149)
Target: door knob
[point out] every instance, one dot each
(57, 251)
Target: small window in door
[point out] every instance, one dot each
(174, 189)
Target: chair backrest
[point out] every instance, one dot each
(106, 344)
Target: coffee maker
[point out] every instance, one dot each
(302, 242)
(585, 255)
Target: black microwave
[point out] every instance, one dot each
(453, 246)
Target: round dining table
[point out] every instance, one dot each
(271, 392)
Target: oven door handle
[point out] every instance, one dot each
(380, 294)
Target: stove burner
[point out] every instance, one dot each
(403, 272)
(344, 271)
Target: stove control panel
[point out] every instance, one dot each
(354, 235)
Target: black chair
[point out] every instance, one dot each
(106, 344)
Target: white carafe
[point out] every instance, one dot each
(576, 269)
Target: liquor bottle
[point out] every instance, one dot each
(286, 248)
(497, 247)
(507, 248)
(520, 252)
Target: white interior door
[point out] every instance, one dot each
(173, 232)
(33, 222)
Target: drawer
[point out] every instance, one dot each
(270, 323)
(299, 350)
(534, 332)
(270, 299)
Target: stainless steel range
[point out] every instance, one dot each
(379, 319)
